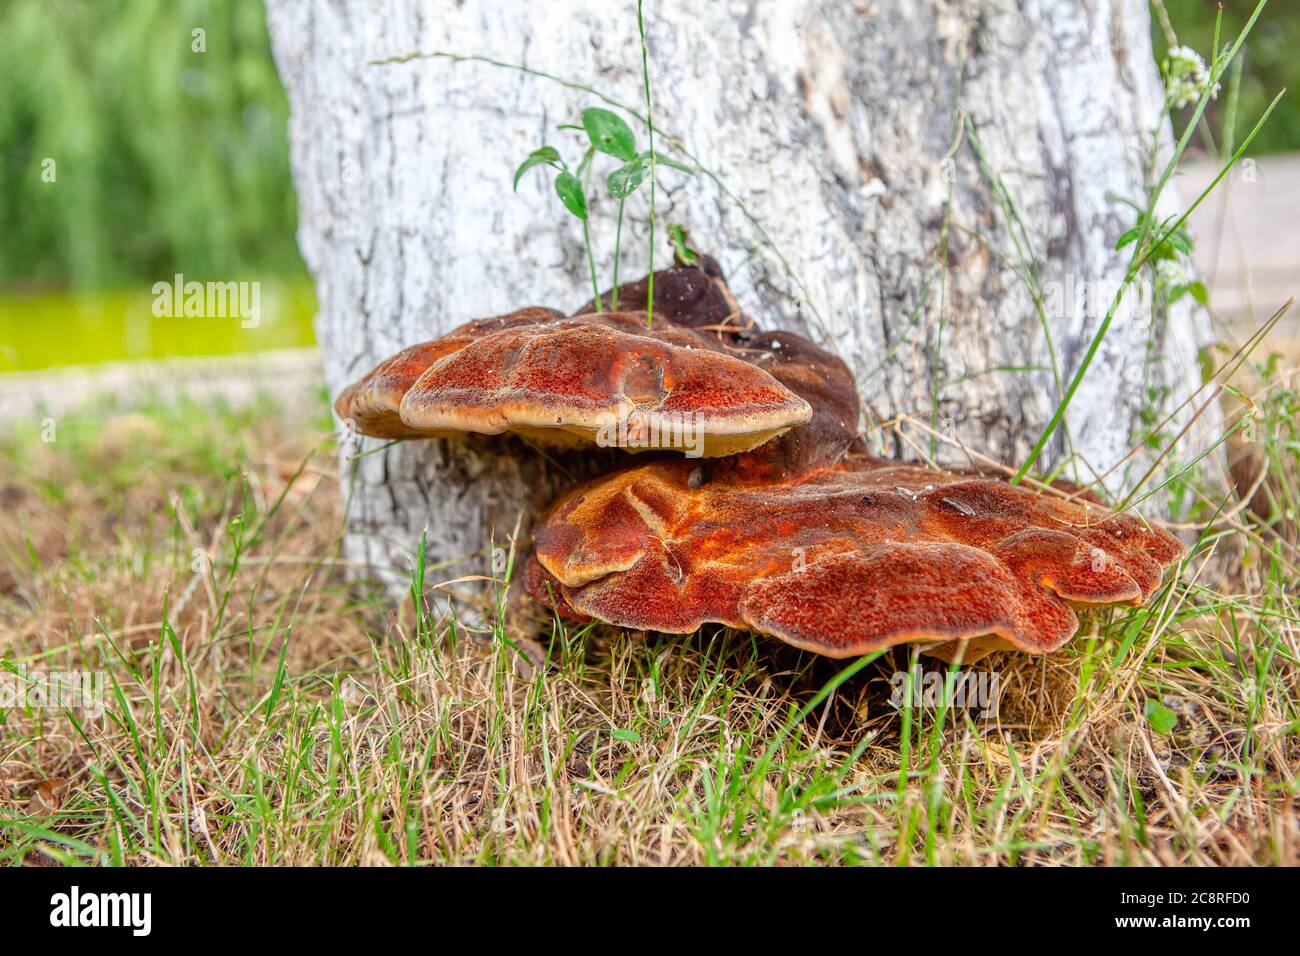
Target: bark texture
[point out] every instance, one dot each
(839, 125)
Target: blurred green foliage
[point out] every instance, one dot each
(164, 159)
(170, 160)
(1270, 63)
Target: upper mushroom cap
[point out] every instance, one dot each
(845, 561)
(668, 386)
(372, 402)
(698, 378)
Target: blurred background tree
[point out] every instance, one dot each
(166, 159)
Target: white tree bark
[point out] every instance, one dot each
(832, 122)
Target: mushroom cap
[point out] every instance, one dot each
(699, 377)
(825, 383)
(610, 378)
(844, 561)
(371, 403)
(694, 297)
(686, 296)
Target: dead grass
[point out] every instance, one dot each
(264, 710)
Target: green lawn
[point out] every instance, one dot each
(261, 708)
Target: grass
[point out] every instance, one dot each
(264, 709)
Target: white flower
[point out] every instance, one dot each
(1170, 273)
(1186, 77)
(1185, 57)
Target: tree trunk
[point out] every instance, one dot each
(926, 169)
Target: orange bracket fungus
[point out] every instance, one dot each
(786, 527)
(612, 379)
(844, 560)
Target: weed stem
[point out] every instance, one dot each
(650, 126)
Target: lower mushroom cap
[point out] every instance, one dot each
(845, 561)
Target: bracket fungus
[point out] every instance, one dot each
(788, 528)
(612, 378)
(372, 403)
(844, 560)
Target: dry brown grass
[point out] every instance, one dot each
(268, 711)
(1264, 474)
